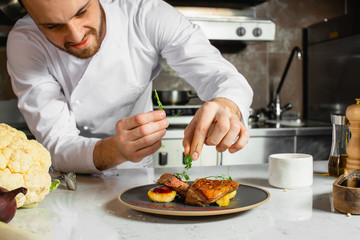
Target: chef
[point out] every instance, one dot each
(82, 72)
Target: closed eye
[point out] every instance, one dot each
(51, 27)
(81, 13)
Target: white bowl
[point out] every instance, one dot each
(290, 170)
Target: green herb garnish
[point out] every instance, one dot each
(178, 114)
(221, 177)
(161, 107)
(54, 185)
(188, 163)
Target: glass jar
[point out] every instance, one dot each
(338, 155)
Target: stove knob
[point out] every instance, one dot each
(257, 32)
(163, 158)
(240, 31)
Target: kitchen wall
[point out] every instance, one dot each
(5, 85)
(261, 63)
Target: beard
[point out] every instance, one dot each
(87, 52)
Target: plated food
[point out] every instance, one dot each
(204, 197)
(203, 192)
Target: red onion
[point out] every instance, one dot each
(8, 203)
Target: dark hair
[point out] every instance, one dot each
(20, 2)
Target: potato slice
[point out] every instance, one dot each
(161, 197)
(225, 200)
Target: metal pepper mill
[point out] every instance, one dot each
(353, 147)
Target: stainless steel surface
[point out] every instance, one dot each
(314, 139)
(187, 113)
(237, 4)
(227, 24)
(236, 28)
(286, 123)
(174, 97)
(309, 137)
(290, 131)
(289, 124)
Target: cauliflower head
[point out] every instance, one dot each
(23, 163)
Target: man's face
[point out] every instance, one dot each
(75, 26)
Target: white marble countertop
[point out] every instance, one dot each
(93, 211)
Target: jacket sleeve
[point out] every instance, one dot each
(42, 102)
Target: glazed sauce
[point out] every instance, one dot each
(337, 165)
(162, 189)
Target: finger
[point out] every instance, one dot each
(200, 131)
(147, 129)
(230, 137)
(133, 147)
(188, 136)
(189, 149)
(199, 128)
(143, 118)
(218, 132)
(244, 136)
(149, 140)
(146, 151)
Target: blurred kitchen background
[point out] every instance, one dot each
(265, 60)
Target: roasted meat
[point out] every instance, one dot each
(204, 192)
(174, 183)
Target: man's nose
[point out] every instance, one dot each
(75, 32)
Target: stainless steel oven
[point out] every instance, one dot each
(332, 54)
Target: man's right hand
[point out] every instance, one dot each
(136, 138)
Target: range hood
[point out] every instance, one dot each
(236, 4)
(226, 24)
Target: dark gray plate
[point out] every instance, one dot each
(247, 197)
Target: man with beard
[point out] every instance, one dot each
(82, 72)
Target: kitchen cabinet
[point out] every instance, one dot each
(171, 153)
(266, 141)
(258, 149)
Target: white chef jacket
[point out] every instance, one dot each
(69, 104)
